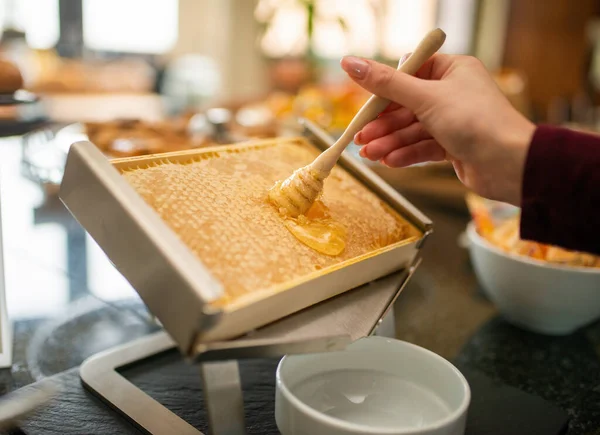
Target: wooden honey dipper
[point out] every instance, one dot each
(296, 194)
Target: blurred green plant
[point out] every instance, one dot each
(312, 15)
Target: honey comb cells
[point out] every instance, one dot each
(217, 204)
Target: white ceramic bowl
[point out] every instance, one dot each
(377, 386)
(535, 295)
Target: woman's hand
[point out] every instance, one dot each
(452, 110)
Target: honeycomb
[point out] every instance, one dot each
(216, 202)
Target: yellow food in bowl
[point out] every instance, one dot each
(504, 233)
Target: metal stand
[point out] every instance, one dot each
(222, 383)
(345, 318)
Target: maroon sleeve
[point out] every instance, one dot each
(561, 190)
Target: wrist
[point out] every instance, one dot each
(514, 144)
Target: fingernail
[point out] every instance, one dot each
(355, 67)
(363, 152)
(358, 138)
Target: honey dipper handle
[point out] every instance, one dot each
(428, 46)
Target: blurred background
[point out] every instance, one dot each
(196, 53)
(210, 71)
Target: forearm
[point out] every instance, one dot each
(561, 190)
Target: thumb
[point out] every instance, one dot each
(386, 82)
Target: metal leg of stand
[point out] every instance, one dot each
(223, 397)
(387, 326)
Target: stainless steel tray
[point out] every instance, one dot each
(175, 285)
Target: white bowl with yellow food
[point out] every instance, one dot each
(375, 386)
(540, 288)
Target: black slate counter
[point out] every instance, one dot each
(444, 310)
(66, 303)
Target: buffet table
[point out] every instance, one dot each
(68, 303)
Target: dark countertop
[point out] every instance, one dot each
(444, 310)
(66, 303)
